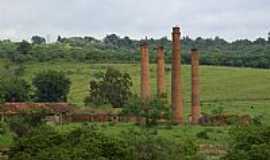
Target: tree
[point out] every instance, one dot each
(59, 39)
(269, 37)
(111, 87)
(24, 47)
(38, 40)
(14, 90)
(260, 41)
(51, 86)
(112, 40)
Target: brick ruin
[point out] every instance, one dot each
(145, 75)
(177, 99)
(145, 86)
(195, 95)
(176, 84)
(161, 88)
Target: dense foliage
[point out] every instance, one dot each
(51, 86)
(23, 123)
(150, 112)
(89, 143)
(114, 49)
(249, 143)
(14, 89)
(111, 87)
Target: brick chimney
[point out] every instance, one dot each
(161, 89)
(145, 77)
(177, 95)
(196, 108)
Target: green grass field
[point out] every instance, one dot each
(237, 90)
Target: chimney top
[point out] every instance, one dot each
(176, 29)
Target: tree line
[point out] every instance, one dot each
(116, 49)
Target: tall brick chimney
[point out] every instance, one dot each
(196, 108)
(145, 77)
(177, 95)
(161, 89)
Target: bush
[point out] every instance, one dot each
(203, 134)
(14, 89)
(51, 86)
(147, 145)
(3, 128)
(111, 87)
(24, 122)
(151, 111)
(88, 142)
(249, 143)
(83, 143)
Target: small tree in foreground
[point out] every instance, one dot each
(51, 86)
(14, 89)
(153, 111)
(111, 87)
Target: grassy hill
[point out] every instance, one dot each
(242, 90)
(237, 90)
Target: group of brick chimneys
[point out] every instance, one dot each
(177, 99)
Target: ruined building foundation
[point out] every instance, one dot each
(145, 77)
(177, 96)
(196, 108)
(161, 89)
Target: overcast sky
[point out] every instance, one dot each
(229, 19)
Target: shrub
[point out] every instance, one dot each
(151, 111)
(3, 128)
(258, 120)
(249, 143)
(88, 142)
(51, 86)
(111, 87)
(14, 89)
(203, 134)
(147, 145)
(82, 143)
(24, 122)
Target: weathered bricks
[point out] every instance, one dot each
(161, 89)
(196, 107)
(177, 96)
(145, 77)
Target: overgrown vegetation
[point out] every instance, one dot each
(88, 142)
(23, 123)
(249, 143)
(112, 87)
(51, 86)
(114, 49)
(149, 112)
(14, 89)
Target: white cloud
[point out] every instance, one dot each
(231, 19)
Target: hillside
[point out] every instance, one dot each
(115, 49)
(238, 90)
